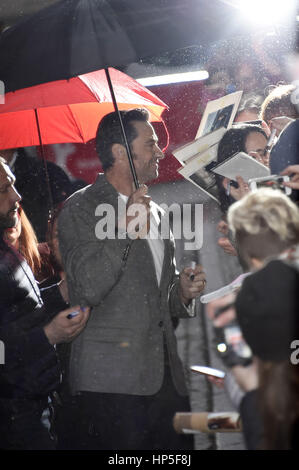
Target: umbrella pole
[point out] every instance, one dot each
(45, 163)
(132, 166)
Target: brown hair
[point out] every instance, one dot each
(278, 103)
(279, 403)
(28, 245)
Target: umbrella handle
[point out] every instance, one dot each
(51, 202)
(132, 166)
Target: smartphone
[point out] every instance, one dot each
(272, 181)
(219, 374)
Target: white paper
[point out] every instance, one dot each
(242, 165)
(219, 113)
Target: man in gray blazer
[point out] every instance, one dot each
(124, 367)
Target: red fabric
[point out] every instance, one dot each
(182, 121)
(69, 110)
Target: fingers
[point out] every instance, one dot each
(75, 312)
(291, 169)
(192, 282)
(77, 323)
(246, 377)
(241, 190)
(140, 196)
(226, 245)
(292, 184)
(194, 275)
(214, 305)
(241, 182)
(140, 192)
(266, 128)
(216, 381)
(225, 182)
(78, 315)
(225, 318)
(138, 213)
(197, 269)
(222, 227)
(76, 318)
(65, 326)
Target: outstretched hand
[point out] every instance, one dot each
(294, 181)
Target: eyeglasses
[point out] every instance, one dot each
(261, 155)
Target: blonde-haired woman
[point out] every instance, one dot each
(264, 223)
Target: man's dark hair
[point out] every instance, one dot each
(278, 103)
(109, 133)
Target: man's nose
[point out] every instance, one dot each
(15, 196)
(159, 154)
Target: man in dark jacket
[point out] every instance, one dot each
(29, 371)
(37, 184)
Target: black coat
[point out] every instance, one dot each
(31, 368)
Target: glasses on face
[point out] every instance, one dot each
(261, 155)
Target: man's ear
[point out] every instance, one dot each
(118, 151)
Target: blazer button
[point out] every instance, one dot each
(160, 324)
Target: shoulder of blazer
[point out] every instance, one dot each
(101, 191)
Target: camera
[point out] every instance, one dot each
(230, 343)
(272, 181)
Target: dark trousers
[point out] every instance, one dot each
(107, 421)
(21, 427)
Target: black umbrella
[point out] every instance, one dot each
(73, 37)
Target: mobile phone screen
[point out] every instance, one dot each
(208, 371)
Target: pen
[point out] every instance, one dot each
(192, 305)
(270, 141)
(73, 314)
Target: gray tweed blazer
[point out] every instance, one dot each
(121, 350)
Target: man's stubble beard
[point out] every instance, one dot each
(7, 222)
(145, 178)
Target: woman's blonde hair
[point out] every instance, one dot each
(264, 223)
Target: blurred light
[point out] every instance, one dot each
(221, 347)
(174, 78)
(264, 12)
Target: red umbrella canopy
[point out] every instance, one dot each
(69, 110)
